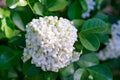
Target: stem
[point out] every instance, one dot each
(30, 6)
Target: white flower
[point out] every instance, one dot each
(90, 6)
(49, 43)
(19, 3)
(112, 49)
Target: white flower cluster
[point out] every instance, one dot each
(49, 43)
(19, 3)
(112, 49)
(90, 5)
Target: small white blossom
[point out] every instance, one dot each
(49, 43)
(112, 49)
(90, 6)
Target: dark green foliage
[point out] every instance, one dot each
(92, 32)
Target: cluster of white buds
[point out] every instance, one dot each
(90, 6)
(112, 49)
(49, 43)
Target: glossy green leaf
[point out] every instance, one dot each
(18, 21)
(100, 72)
(88, 60)
(58, 5)
(87, 37)
(81, 74)
(89, 41)
(74, 10)
(94, 26)
(38, 7)
(67, 72)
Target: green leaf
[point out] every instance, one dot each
(1, 12)
(88, 60)
(104, 38)
(83, 5)
(3, 74)
(67, 72)
(78, 46)
(74, 11)
(21, 17)
(0, 23)
(2, 35)
(18, 21)
(100, 72)
(42, 76)
(11, 2)
(7, 27)
(35, 77)
(78, 23)
(50, 75)
(99, 2)
(58, 5)
(87, 35)
(29, 69)
(12, 74)
(33, 1)
(17, 41)
(89, 41)
(4, 13)
(81, 74)
(102, 16)
(8, 57)
(35, 73)
(44, 2)
(38, 7)
(94, 26)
